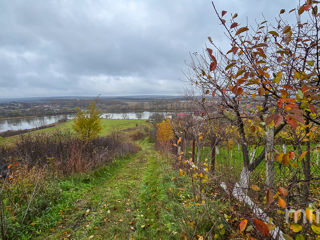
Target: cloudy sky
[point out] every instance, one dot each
(109, 47)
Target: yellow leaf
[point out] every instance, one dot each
(278, 77)
(315, 229)
(255, 187)
(296, 228)
(302, 156)
(271, 226)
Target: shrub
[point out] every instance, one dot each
(88, 126)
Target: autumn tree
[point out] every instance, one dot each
(87, 124)
(164, 132)
(270, 74)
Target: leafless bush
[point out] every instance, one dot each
(64, 152)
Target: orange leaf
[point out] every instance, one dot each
(261, 227)
(243, 225)
(261, 92)
(180, 172)
(291, 155)
(274, 33)
(214, 92)
(283, 191)
(241, 30)
(293, 123)
(282, 203)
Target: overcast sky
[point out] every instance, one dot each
(109, 47)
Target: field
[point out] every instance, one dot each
(108, 126)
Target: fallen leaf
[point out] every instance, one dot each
(261, 227)
(243, 225)
(296, 228)
(282, 203)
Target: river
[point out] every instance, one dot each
(35, 122)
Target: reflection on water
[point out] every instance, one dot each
(35, 122)
(28, 123)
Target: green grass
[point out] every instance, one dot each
(108, 126)
(233, 165)
(140, 196)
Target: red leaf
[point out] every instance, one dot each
(233, 25)
(261, 227)
(280, 102)
(209, 50)
(307, 7)
(224, 91)
(312, 108)
(224, 13)
(279, 59)
(291, 155)
(304, 89)
(234, 49)
(293, 123)
(213, 66)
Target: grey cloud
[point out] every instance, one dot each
(91, 47)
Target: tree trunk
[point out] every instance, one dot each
(198, 150)
(193, 148)
(213, 155)
(269, 156)
(244, 179)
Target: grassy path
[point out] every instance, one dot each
(130, 203)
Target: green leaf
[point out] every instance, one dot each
(299, 94)
(300, 237)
